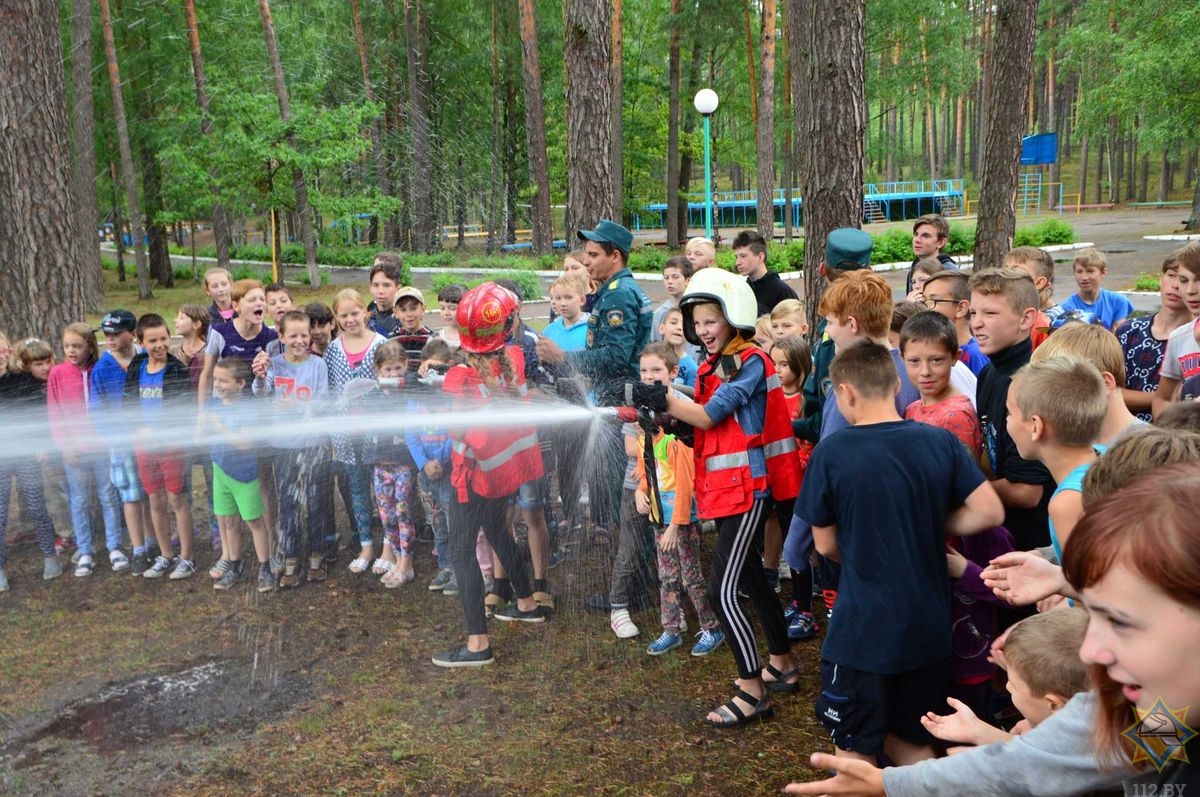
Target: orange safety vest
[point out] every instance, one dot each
(724, 483)
(493, 462)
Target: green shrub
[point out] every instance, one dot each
(893, 246)
(1045, 233)
(304, 280)
(251, 273)
(1147, 282)
(528, 283)
(961, 240)
(183, 274)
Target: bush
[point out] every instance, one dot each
(893, 246)
(1045, 233)
(251, 273)
(1148, 282)
(528, 283)
(184, 274)
(961, 240)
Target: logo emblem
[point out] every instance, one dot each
(1159, 735)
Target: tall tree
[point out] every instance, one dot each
(1012, 63)
(299, 187)
(535, 130)
(618, 102)
(425, 232)
(220, 218)
(673, 111)
(831, 123)
(41, 284)
(83, 141)
(382, 178)
(127, 173)
(589, 108)
(765, 127)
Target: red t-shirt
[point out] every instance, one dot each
(955, 415)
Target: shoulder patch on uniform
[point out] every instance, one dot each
(613, 285)
(615, 318)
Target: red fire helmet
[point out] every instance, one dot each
(485, 317)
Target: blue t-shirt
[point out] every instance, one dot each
(150, 394)
(832, 419)
(973, 356)
(568, 338)
(687, 372)
(888, 488)
(1108, 309)
(237, 464)
(1074, 481)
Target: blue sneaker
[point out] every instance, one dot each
(708, 642)
(802, 626)
(664, 643)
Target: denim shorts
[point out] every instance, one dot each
(123, 473)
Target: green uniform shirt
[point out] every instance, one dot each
(618, 330)
(816, 388)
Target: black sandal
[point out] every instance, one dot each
(783, 680)
(733, 716)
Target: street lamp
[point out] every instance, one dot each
(706, 102)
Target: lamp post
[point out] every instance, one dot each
(706, 102)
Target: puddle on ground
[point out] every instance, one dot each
(219, 696)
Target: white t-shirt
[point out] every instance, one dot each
(964, 381)
(1182, 358)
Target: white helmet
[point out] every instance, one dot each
(730, 291)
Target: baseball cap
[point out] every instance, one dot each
(609, 232)
(118, 321)
(848, 249)
(409, 292)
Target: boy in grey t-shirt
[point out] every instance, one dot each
(298, 382)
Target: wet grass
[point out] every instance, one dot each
(567, 708)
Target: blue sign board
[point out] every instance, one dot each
(1042, 148)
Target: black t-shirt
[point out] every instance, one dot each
(889, 487)
(1030, 527)
(770, 291)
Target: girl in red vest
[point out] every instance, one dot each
(488, 466)
(745, 462)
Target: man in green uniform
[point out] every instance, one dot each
(619, 326)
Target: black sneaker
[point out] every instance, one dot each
(138, 564)
(511, 614)
(161, 567)
(462, 657)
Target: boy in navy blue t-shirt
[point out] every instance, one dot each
(882, 494)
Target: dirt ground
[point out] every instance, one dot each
(111, 685)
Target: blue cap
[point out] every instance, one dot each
(609, 232)
(848, 249)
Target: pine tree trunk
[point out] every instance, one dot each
(1144, 178)
(789, 147)
(673, 112)
(685, 160)
(1051, 108)
(220, 218)
(535, 130)
(83, 149)
(1101, 158)
(589, 98)
(765, 129)
(127, 173)
(495, 186)
(425, 232)
(382, 178)
(1084, 154)
(1012, 62)
(832, 126)
(299, 187)
(960, 136)
(159, 251)
(618, 100)
(42, 284)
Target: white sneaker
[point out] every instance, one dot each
(623, 625)
(118, 560)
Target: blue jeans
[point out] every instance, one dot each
(438, 496)
(93, 468)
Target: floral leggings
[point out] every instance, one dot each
(679, 570)
(393, 487)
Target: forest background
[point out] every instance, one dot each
(423, 126)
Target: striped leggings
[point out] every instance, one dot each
(33, 503)
(737, 560)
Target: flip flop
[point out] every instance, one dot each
(382, 566)
(782, 680)
(360, 566)
(732, 715)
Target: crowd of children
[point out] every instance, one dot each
(920, 466)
